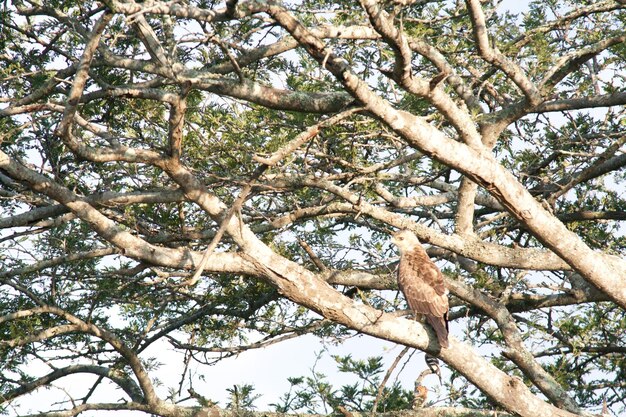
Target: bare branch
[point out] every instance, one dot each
(493, 55)
(516, 351)
(123, 381)
(77, 325)
(465, 207)
(80, 79)
(34, 216)
(572, 61)
(616, 99)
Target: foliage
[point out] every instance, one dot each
(133, 135)
(317, 393)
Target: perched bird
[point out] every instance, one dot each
(433, 366)
(421, 282)
(433, 369)
(420, 394)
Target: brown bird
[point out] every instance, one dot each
(419, 396)
(421, 282)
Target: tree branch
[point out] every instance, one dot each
(516, 351)
(82, 74)
(602, 270)
(118, 377)
(615, 99)
(404, 76)
(465, 207)
(493, 55)
(80, 326)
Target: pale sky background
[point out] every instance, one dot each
(267, 369)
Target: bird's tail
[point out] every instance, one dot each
(440, 324)
(433, 366)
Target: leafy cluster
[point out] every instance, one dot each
(317, 394)
(549, 110)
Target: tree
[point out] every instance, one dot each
(224, 177)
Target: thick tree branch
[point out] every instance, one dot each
(466, 246)
(130, 245)
(513, 302)
(34, 216)
(80, 326)
(130, 406)
(288, 43)
(615, 99)
(149, 39)
(404, 76)
(495, 57)
(516, 351)
(273, 98)
(184, 11)
(254, 92)
(48, 333)
(465, 207)
(604, 271)
(123, 381)
(80, 79)
(48, 263)
(572, 61)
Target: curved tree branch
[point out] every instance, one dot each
(123, 381)
(79, 325)
(604, 271)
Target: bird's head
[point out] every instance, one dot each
(405, 240)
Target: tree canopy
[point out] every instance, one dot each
(225, 176)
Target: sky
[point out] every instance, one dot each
(267, 369)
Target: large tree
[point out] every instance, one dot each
(226, 176)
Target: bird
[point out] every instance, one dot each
(433, 369)
(421, 282)
(433, 366)
(420, 394)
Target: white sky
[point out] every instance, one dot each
(267, 369)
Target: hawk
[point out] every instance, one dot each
(421, 282)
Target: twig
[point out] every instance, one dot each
(303, 137)
(243, 194)
(381, 387)
(215, 39)
(316, 260)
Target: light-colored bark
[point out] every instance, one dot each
(297, 284)
(470, 155)
(604, 271)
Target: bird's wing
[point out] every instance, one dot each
(421, 282)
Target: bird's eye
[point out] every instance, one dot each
(400, 238)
